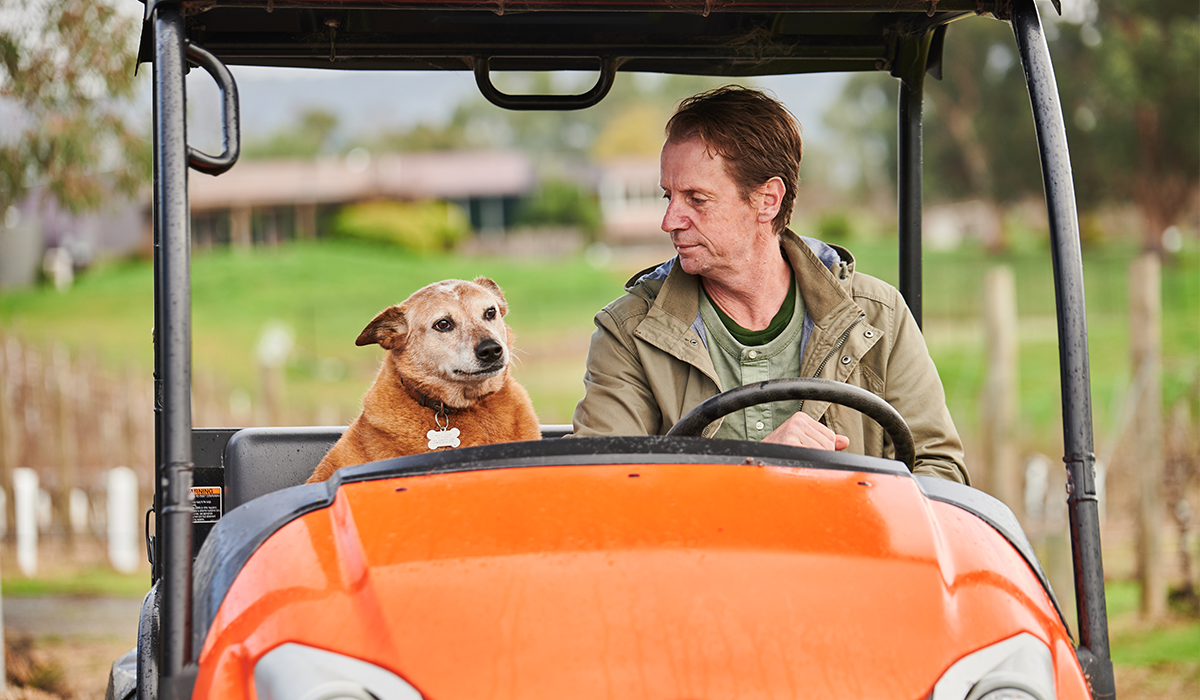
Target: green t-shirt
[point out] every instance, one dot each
(742, 356)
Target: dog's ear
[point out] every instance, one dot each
(388, 329)
(494, 288)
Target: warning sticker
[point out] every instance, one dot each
(206, 504)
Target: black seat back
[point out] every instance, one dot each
(261, 460)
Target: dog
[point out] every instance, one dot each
(444, 382)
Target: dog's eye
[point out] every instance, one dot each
(489, 314)
(443, 324)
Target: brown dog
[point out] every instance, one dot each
(444, 382)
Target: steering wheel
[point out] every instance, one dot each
(794, 389)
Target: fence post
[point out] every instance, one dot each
(25, 502)
(10, 428)
(123, 516)
(1145, 327)
(64, 382)
(999, 409)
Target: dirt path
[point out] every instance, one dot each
(75, 639)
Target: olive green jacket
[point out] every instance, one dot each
(648, 363)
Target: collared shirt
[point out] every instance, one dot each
(737, 364)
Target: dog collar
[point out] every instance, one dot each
(437, 406)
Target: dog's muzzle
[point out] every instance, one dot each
(490, 354)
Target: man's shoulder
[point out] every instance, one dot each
(640, 293)
(865, 287)
(841, 264)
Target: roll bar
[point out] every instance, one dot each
(1082, 502)
(172, 547)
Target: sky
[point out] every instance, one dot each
(368, 101)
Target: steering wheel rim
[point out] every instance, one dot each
(791, 389)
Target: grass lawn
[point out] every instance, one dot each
(325, 293)
(92, 582)
(1153, 660)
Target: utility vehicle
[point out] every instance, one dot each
(634, 567)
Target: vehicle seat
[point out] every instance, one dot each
(261, 460)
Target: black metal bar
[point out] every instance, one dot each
(604, 83)
(231, 130)
(1083, 505)
(174, 342)
(155, 544)
(909, 160)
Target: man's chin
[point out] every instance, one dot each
(691, 263)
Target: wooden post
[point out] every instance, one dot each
(306, 221)
(68, 454)
(12, 432)
(999, 409)
(1145, 327)
(240, 236)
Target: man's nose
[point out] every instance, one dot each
(672, 218)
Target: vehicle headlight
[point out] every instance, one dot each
(1018, 668)
(297, 672)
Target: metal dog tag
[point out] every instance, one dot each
(443, 438)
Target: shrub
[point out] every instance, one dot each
(421, 227)
(560, 203)
(834, 227)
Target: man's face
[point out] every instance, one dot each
(712, 228)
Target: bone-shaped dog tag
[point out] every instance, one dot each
(443, 438)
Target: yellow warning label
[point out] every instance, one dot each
(206, 490)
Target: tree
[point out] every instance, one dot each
(66, 78)
(1129, 78)
(311, 135)
(1130, 102)
(477, 123)
(979, 138)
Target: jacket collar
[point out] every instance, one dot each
(825, 291)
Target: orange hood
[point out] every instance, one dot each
(635, 581)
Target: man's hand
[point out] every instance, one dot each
(802, 430)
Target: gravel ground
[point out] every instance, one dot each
(76, 638)
(70, 617)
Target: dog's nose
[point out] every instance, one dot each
(488, 350)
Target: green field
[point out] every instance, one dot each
(326, 292)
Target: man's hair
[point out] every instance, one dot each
(756, 135)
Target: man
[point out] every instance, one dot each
(746, 300)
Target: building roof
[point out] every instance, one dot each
(432, 175)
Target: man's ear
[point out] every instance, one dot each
(388, 329)
(494, 288)
(771, 199)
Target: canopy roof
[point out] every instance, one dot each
(702, 37)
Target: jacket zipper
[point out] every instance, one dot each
(837, 346)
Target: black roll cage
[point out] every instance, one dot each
(903, 37)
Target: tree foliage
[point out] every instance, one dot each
(1131, 96)
(310, 135)
(66, 77)
(560, 203)
(602, 130)
(978, 129)
(1129, 78)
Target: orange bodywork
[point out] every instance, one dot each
(642, 581)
